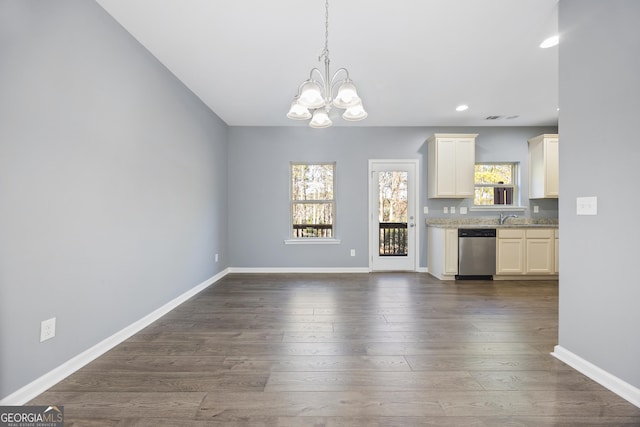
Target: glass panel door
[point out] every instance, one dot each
(393, 225)
(392, 213)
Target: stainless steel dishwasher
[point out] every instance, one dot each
(476, 253)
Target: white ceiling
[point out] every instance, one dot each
(413, 61)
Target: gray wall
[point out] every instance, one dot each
(258, 185)
(599, 155)
(112, 182)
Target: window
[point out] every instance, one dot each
(496, 184)
(313, 203)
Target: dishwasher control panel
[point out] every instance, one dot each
(476, 232)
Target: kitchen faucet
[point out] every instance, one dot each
(504, 217)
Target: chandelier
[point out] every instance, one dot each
(315, 97)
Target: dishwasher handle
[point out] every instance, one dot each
(476, 232)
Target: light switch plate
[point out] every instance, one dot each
(426, 209)
(463, 210)
(452, 209)
(587, 205)
(446, 209)
(536, 209)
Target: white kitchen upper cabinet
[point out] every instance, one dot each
(544, 167)
(451, 165)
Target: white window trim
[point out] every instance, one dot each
(516, 191)
(313, 240)
(498, 208)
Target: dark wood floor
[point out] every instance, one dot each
(348, 350)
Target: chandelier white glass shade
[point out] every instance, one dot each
(315, 97)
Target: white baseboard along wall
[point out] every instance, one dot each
(48, 380)
(599, 375)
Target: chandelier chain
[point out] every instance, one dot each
(325, 51)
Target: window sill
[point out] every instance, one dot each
(498, 208)
(312, 241)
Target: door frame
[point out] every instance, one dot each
(373, 239)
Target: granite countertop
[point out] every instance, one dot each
(492, 223)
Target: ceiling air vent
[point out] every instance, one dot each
(493, 117)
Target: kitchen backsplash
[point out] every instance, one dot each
(546, 209)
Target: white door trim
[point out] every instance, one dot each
(373, 244)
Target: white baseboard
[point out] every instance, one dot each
(599, 375)
(257, 270)
(268, 270)
(48, 380)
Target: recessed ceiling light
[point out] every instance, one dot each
(462, 107)
(550, 42)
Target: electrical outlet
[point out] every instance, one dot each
(426, 210)
(463, 210)
(47, 329)
(446, 209)
(452, 209)
(353, 252)
(536, 209)
(216, 257)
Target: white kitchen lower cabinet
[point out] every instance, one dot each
(442, 252)
(556, 251)
(539, 250)
(520, 252)
(526, 251)
(510, 252)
